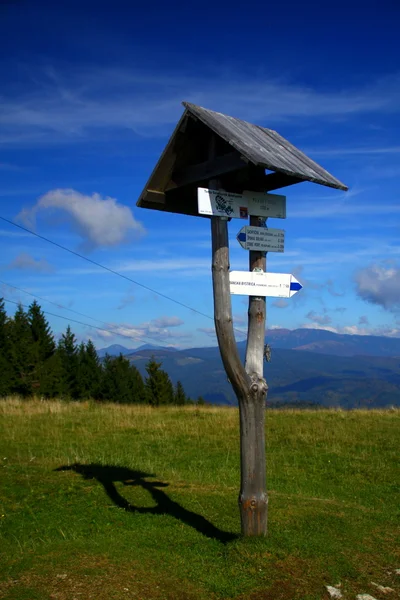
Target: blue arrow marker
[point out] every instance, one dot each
(241, 237)
(295, 286)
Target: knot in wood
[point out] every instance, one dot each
(254, 387)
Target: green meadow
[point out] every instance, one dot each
(110, 501)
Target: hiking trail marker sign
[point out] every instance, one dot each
(257, 283)
(206, 170)
(262, 239)
(218, 203)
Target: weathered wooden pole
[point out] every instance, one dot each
(225, 151)
(253, 496)
(248, 383)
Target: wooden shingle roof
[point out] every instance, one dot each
(265, 147)
(242, 153)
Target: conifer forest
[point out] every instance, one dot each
(33, 364)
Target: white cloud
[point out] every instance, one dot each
(384, 330)
(318, 319)
(26, 262)
(380, 330)
(280, 303)
(163, 266)
(166, 264)
(162, 322)
(99, 221)
(379, 284)
(76, 104)
(316, 325)
(157, 330)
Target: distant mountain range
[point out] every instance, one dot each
(307, 365)
(327, 342)
(117, 349)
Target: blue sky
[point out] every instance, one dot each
(88, 99)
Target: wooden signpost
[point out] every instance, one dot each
(219, 203)
(214, 167)
(264, 239)
(258, 283)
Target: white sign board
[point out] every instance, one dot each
(257, 283)
(266, 205)
(240, 206)
(261, 238)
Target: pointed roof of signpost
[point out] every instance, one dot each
(265, 147)
(243, 152)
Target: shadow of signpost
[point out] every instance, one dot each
(108, 475)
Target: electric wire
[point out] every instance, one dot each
(97, 264)
(124, 335)
(112, 328)
(57, 304)
(9, 221)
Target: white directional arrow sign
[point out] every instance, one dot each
(262, 239)
(257, 283)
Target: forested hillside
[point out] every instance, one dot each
(32, 364)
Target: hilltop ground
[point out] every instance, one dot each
(109, 502)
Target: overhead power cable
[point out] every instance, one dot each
(112, 328)
(124, 335)
(97, 264)
(114, 273)
(57, 304)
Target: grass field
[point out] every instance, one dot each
(109, 502)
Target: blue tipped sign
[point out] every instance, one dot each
(264, 239)
(258, 283)
(295, 286)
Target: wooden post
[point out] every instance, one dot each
(253, 496)
(248, 383)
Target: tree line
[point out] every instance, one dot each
(33, 364)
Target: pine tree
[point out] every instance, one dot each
(108, 387)
(68, 354)
(137, 385)
(168, 396)
(89, 371)
(82, 379)
(121, 382)
(52, 383)
(159, 389)
(179, 396)
(21, 353)
(43, 347)
(6, 369)
(41, 333)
